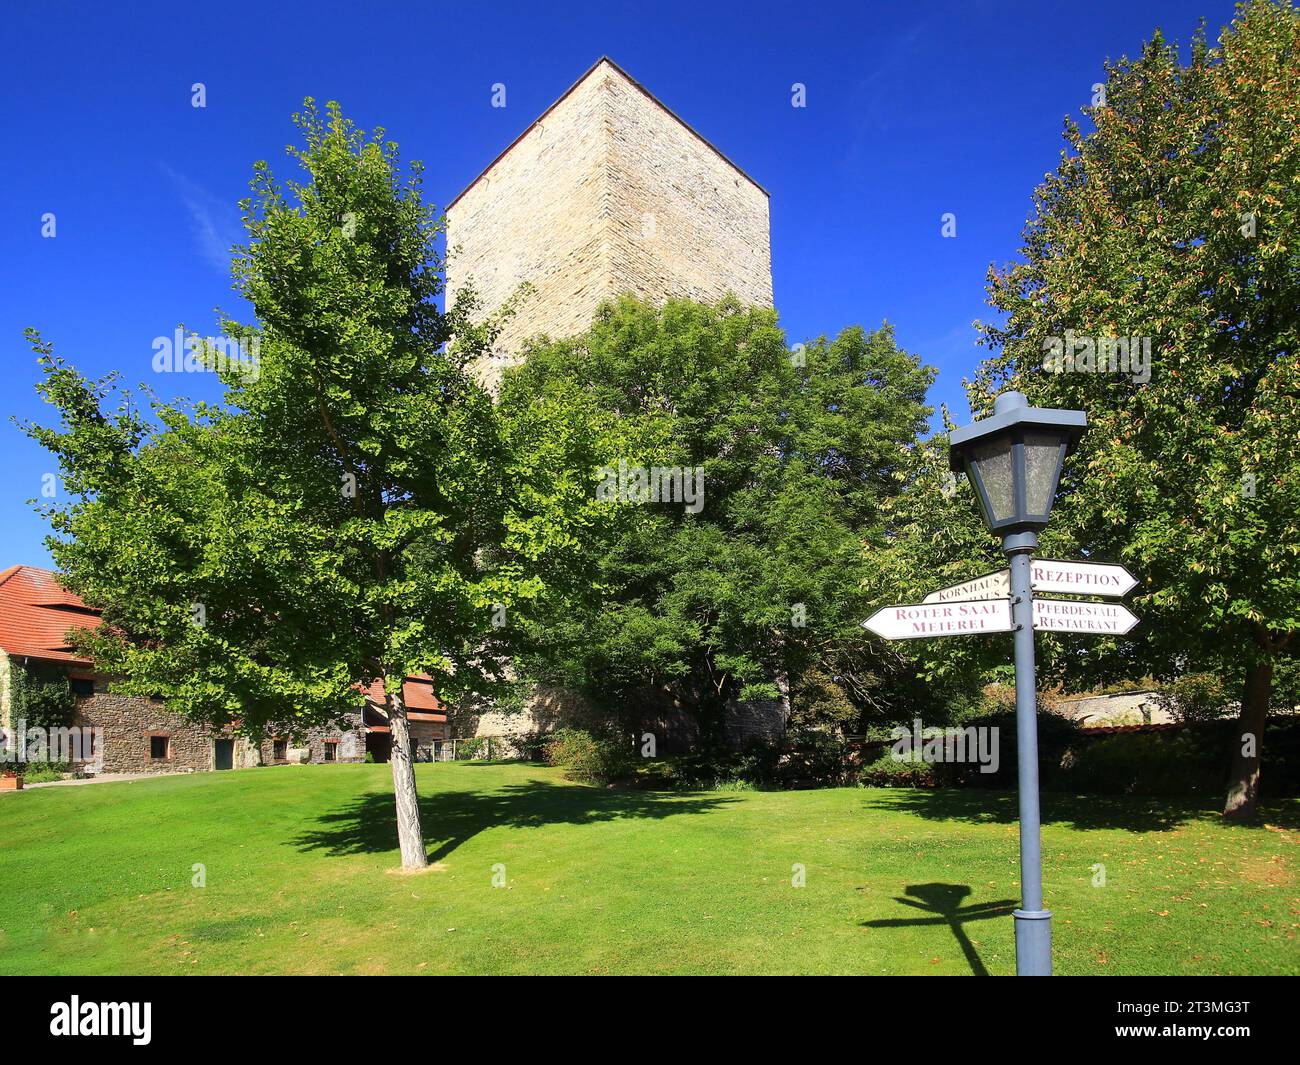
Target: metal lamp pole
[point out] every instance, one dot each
(1033, 923)
(1014, 459)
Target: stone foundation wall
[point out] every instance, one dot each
(127, 723)
(311, 743)
(673, 725)
(762, 720)
(424, 734)
(547, 710)
(1121, 708)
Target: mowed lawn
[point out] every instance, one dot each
(298, 864)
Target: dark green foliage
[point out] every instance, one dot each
(799, 448)
(592, 759)
(1186, 761)
(1174, 220)
(757, 765)
(41, 695)
(817, 701)
(888, 772)
(1196, 697)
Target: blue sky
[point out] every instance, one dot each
(913, 110)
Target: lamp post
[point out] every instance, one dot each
(1013, 459)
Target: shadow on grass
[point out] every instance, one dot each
(368, 824)
(944, 903)
(1134, 813)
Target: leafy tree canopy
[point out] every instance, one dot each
(341, 517)
(797, 450)
(1172, 225)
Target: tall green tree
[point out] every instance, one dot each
(1173, 222)
(758, 580)
(339, 518)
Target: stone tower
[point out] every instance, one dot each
(607, 192)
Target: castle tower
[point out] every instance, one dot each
(607, 192)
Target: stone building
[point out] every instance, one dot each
(367, 732)
(135, 735)
(1138, 707)
(607, 193)
(130, 734)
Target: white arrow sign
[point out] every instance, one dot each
(1046, 575)
(995, 585)
(1064, 615)
(1080, 578)
(941, 619)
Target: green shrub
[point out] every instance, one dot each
(531, 745)
(472, 747)
(817, 759)
(41, 696)
(888, 772)
(591, 759)
(1056, 736)
(756, 765)
(38, 772)
(1195, 697)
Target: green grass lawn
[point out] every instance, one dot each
(299, 862)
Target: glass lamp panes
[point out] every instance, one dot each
(1042, 468)
(992, 465)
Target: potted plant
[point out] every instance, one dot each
(11, 776)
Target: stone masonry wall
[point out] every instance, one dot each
(607, 193)
(351, 741)
(537, 216)
(684, 222)
(129, 721)
(6, 689)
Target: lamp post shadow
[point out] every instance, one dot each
(945, 902)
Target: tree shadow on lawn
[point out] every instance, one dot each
(367, 825)
(944, 902)
(1135, 813)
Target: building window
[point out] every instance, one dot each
(279, 750)
(331, 751)
(159, 747)
(82, 685)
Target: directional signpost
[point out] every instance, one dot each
(1061, 615)
(1013, 459)
(1080, 578)
(941, 619)
(1045, 575)
(990, 586)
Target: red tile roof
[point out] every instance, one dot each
(36, 612)
(421, 703)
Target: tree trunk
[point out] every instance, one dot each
(410, 837)
(1243, 783)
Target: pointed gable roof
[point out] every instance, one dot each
(606, 61)
(36, 612)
